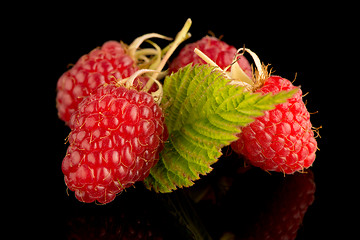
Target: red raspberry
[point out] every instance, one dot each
(116, 136)
(102, 65)
(218, 51)
(283, 216)
(282, 139)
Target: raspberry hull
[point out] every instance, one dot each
(116, 138)
(282, 139)
(218, 51)
(102, 65)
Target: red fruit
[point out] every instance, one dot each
(218, 51)
(283, 216)
(107, 64)
(282, 139)
(116, 136)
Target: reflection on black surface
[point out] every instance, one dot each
(138, 215)
(233, 202)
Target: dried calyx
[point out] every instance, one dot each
(153, 60)
(148, 57)
(236, 75)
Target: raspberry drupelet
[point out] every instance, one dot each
(281, 140)
(118, 130)
(102, 65)
(116, 136)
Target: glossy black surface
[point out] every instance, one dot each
(232, 202)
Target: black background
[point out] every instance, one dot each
(295, 39)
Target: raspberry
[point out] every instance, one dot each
(102, 65)
(220, 52)
(116, 136)
(283, 216)
(282, 139)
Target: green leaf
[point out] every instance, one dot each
(204, 113)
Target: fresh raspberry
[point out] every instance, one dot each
(116, 136)
(282, 139)
(102, 65)
(218, 51)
